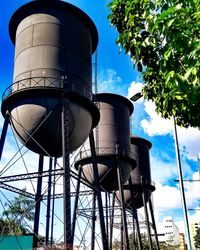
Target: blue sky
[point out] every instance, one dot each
(116, 74)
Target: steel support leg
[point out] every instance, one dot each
(122, 233)
(66, 177)
(147, 220)
(3, 133)
(112, 221)
(76, 204)
(53, 202)
(154, 224)
(135, 215)
(106, 211)
(98, 192)
(93, 221)
(125, 227)
(38, 198)
(48, 203)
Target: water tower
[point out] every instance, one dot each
(54, 42)
(49, 104)
(112, 143)
(141, 175)
(137, 191)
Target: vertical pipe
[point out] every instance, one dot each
(98, 192)
(76, 203)
(189, 242)
(154, 224)
(147, 219)
(38, 198)
(3, 133)
(48, 203)
(121, 192)
(66, 177)
(93, 221)
(53, 201)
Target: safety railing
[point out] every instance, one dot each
(48, 82)
(104, 151)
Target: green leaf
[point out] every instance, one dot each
(170, 22)
(164, 36)
(178, 97)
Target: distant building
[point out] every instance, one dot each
(182, 243)
(168, 232)
(171, 231)
(193, 229)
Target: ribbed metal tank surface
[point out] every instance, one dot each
(140, 176)
(54, 42)
(112, 139)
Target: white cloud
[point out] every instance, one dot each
(167, 198)
(190, 139)
(162, 171)
(156, 125)
(107, 81)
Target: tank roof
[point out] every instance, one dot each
(26, 9)
(140, 139)
(102, 96)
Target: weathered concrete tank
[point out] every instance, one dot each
(54, 42)
(140, 176)
(112, 142)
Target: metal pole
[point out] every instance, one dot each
(48, 203)
(3, 133)
(98, 192)
(53, 201)
(76, 204)
(122, 233)
(154, 224)
(93, 221)
(38, 198)
(189, 242)
(135, 215)
(121, 192)
(147, 220)
(112, 220)
(106, 206)
(66, 177)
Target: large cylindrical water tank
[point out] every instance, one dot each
(140, 176)
(54, 42)
(111, 141)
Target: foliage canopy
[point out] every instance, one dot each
(162, 38)
(16, 215)
(197, 238)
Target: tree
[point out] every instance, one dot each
(16, 216)
(132, 244)
(197, 238)
(162, 38)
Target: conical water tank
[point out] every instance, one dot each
(54, 42)
(140, 176)
(112, 142)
